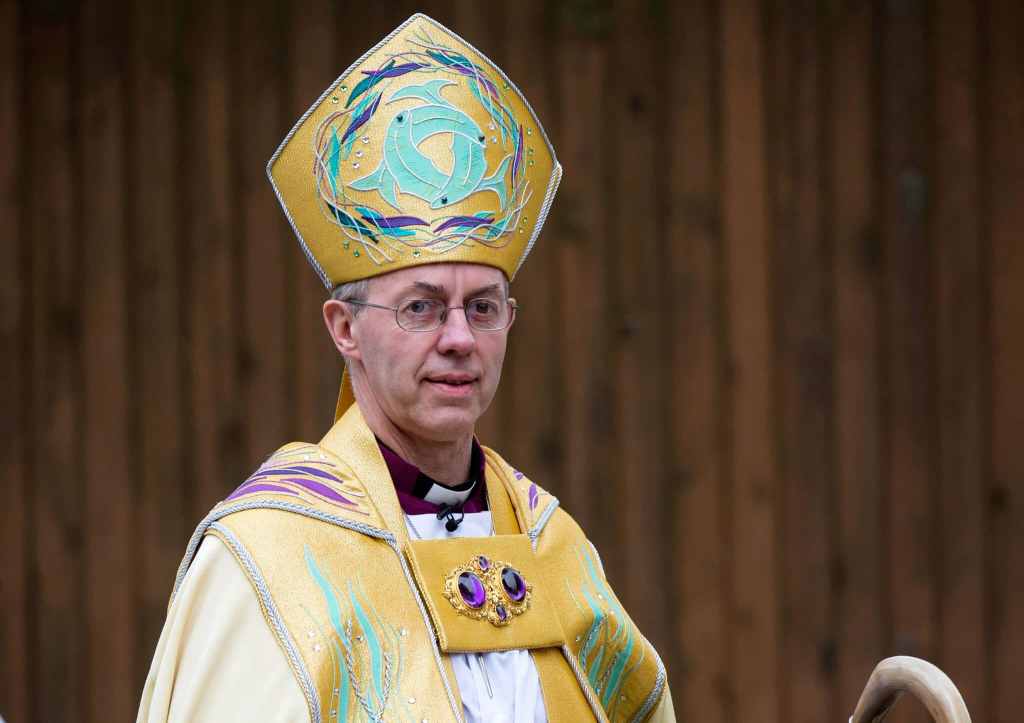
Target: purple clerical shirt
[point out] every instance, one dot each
(412, 485)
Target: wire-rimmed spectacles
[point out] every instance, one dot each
(429, 314)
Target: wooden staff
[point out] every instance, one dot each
(903, 674)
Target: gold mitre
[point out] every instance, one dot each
(423, 151)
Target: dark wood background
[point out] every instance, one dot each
(771, 354)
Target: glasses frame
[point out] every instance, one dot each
(512, 303)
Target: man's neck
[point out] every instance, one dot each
(444, 462)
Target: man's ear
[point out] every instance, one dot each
(338, 318)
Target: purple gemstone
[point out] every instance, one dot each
(472, 590)
(484, 563)
(515, 586)
(502, 613)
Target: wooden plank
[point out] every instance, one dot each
(313, 67)
(266, 241)
(14, 382)
(532, 435)
(754, 685)
(155, 153)
(698, 660)
(804, 353)
(1004, 113)
(579, 227)
(962, 350)
(859, 576)
(638, 344)
(109, 512)
(905, 189)
(216, 460)
(443, 11)
(58, 645)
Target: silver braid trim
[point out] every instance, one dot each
(542, 215)
(534, 532)
(274, 617)
(656, 692)
(595, 704)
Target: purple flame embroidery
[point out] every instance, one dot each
(361, 120)
(298, 469)
(395, 221)
(518, 159)
(272, 479)
(464, 222)
(318, 488)
(393, 71)
(248, 488)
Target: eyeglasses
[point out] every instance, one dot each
(430, 314)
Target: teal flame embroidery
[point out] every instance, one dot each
(366, 653)
(341, 139)
(609, 642)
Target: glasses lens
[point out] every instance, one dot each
(487, 314)
(420, 314)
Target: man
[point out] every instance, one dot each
(398, 570)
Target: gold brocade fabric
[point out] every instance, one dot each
(359, 609)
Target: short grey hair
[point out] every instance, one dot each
(357, 290)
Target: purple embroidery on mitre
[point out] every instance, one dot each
(361, 120)
(533, 496)
(517, 474)
(465, 222)
(517, 161)
(393, 71)
(386, 222)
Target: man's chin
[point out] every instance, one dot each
(447, 423)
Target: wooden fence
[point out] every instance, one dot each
(771, 355)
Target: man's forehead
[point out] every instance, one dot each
(443, 278)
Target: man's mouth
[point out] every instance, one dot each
(452, 382)
(453, 379)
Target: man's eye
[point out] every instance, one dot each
(482, 307)
(418, 306)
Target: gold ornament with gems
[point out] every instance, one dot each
(485, 589)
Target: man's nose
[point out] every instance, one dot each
(456, 335)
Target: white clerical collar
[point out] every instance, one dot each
(451, 496)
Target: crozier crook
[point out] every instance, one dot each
(904, 674)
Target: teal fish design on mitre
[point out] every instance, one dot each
(405, 169)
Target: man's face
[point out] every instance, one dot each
(434, 384)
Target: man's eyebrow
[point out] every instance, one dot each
(428, 288)
(489, 289)
(440, 290)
